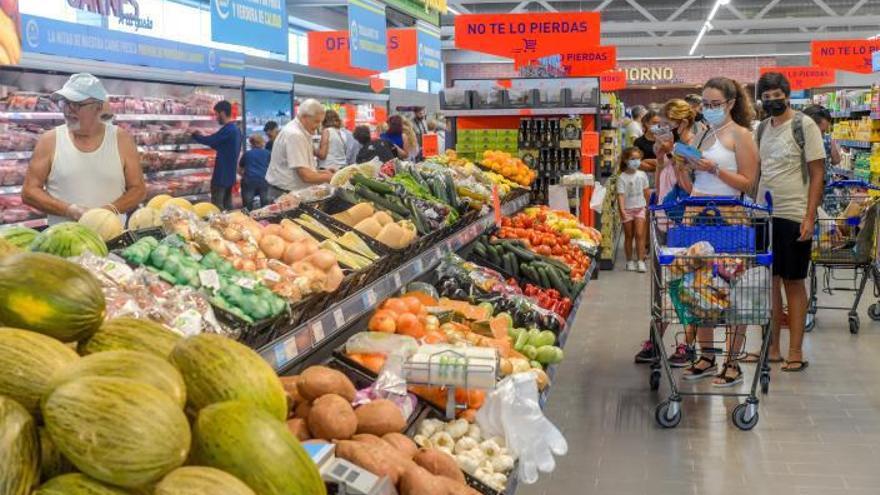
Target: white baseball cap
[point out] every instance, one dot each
(82, 87)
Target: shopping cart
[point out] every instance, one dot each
(711, 261)
(844, 247)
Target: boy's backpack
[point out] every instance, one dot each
(797, 131)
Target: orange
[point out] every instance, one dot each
(413, 304)
(408, 324)
(395, 304)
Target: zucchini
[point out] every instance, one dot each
(520, 253)
(374, 185)
(558, 264)
(542, 274)
(480, 249)
(419, 221)
(554, 277)
(514, 265)
(381, 202)
(348, 196)
(529, 273)
(508, 269)
(451, 192)
(494, 257)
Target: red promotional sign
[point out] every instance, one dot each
(430, 145)
(590, 143)
(849, 55)
(329, 50)
(804, 77)
(377, 84)
(526, 36)
(402, 48)
(612, 80)
(590, 61)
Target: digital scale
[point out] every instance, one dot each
(348, 478)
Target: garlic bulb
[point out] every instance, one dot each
(442, 440)
(483, 475)
(497, 481)
(490, 448)
(499, 441)
(421, 440)
(474, 432)
(429, 427)
(501, 463)
(465, 444)
(457, 428)
(467, 463)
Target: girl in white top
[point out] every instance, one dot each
(331, 152)
(632, 199)
(729, 167)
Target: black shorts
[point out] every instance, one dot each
(791, 257)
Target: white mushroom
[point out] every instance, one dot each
(465, 444)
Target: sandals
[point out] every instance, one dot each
(724, 380)
(795, 366)
(697, 372)
(753, 357)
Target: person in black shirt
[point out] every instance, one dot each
(271, 129)
(645, 143)
(370, 147)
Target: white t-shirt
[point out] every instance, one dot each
(781, 167)
(292, 149)
(633, 186)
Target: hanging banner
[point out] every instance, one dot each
(848, 55)
(876, 61)
(10, 36)
(526, 36)
(590, 144)
(804, 77)
(430, 56)
(253, 23)
(329, 50)
(612, 80)
(402, 50)
(430, 145)
(590, 61)
(366, 30)
(80, 41)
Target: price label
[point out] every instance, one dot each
(418, 265)
(369, 299)
(291, 350)
(233, 249)
(116, 272)
(317, 331)
(397, 281)
(210, 279)
(188, 323)
(338, 317)
(247, 283)
(270, 275)
(280, 356)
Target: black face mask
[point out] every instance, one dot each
(675, 136)
(775, 107)
(700, 117)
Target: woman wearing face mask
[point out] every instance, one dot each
(729, 167)
(645, 144)
(632, 196)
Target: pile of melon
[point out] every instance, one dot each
(136, 408)
(150, 216)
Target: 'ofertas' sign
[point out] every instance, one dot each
(526, 36)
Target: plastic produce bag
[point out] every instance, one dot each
(748, 294)
(597, 198)
(381, 343)
(512, 411)
(390, 385)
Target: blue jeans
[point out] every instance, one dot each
(249, 191)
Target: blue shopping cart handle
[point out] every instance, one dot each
(710, 201)
(852, 183)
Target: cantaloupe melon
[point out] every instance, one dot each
(103, 222)
(158, 201)
(180, 203)
(204, 209)
(145, 218)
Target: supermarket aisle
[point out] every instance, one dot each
(819, 432)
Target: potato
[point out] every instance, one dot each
(439, 463)
(419, 481)
(316, 381)
(302, 410)
(369, 457)
(299, 428)
(380, 417)
(402, 443)
(332, 417)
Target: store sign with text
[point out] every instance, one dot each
(590, 61)
(612, 80)
(526, 36)
(127, 11)
(366, 30)
(430, 57)
(258, 24)
(848, 55)
(426, 10)
(804, 77)
(329, 50)
(66, 39)
(402, 50)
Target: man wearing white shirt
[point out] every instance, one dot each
(293, 165)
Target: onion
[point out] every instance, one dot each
(322, 259)
(295, 251)
(273, 246)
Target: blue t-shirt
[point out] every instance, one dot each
(396, 139)
(227, 143)
(255, 163)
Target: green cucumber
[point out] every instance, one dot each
(380, 201)
(530, 273)
(514, 265)
(558, 264)
(494, 257)
(557, 282)
(542, 273)
(418, 220)
(373, 185)
(480, 249)
(520, 253)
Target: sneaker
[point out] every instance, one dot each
(703, 371)
(646, 355)
(631, 266)
(642, 267)
(681, 357)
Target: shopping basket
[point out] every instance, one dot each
(844, 246)
(711, 267)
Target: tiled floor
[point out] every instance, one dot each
(819, 431)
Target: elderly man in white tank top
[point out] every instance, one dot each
(86, 162)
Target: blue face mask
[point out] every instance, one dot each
(633, 164)
(714, 116)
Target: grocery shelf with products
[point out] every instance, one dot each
(611, 142)
(856, 129)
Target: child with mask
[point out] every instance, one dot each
(632, 195)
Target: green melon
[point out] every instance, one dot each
(218, 369)
(199, 480)
(133, 334)
(117, 430)
(18, 236)
(52, 462)
(139, 366)
(78, 484)
(27, 362)
(19, 449)
(68, 239)
(250, 444)
(51, 296)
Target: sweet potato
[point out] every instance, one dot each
(316, 381)
(302, 410)
(332, 417)
(380, 417)
(419, 481)
(402, 443)
(439, 463)
(290, 389)
(456, 488)
(369, 457)
(299, 428)
(385, 449)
